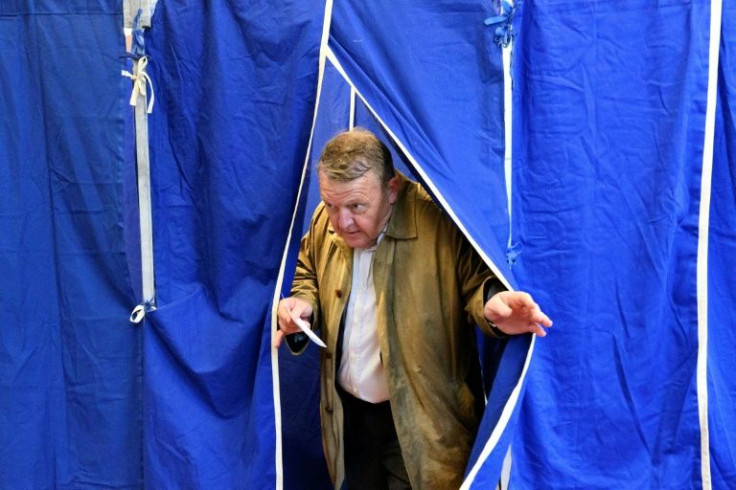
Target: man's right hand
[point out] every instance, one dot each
(289, 309)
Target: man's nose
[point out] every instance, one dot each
(344, 219)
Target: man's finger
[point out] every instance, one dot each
(296, 318)
(496, 308)
(520, 299)
(542, 319)
(538, 331)
(283, 313)
(278, 338)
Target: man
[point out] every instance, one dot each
(395, 290)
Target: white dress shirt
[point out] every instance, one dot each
(361, 372)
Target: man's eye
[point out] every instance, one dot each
(356, 207)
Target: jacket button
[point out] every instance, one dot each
(328, 409)
(328, 355)
(338, 293)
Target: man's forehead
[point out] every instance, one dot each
(366, 181)
(345, 192)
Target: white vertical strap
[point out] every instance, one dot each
(130, 10)
(506, 471)
(703, 232)
(128, 14)
(142, 109)
(506, 52)
(353, 96)
(144, 194)
(282, 268)
(508, 128)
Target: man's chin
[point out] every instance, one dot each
(356, 241)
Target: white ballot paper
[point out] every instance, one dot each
(304, 326)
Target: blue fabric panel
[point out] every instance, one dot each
(505, 379)
(721, 267)
(202, 416)
(304, 461)
(611, 112)
(235, 85)
(70, 371)
(403, 66)
(364, 118)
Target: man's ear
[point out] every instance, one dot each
(393, 189)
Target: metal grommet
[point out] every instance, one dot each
(138, 314)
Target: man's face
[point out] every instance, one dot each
(359, 209)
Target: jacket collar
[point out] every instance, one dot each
(402, 224)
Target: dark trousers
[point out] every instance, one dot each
(373, 458)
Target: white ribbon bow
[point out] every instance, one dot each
(139, 83)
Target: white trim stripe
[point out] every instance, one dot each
(514, 397)
(506, 471)
(280, 281)
(351, 125)
(145, 208)
(508, 130)
(703, 232)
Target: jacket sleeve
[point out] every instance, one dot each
(305, 285)
(478, 284)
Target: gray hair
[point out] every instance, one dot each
(351, 154)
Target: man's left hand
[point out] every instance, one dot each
(515, 312)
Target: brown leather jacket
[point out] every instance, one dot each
(429, 291)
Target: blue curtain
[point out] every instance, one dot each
(610, 102)
(235, 87)
(70, 361)
(609, 116)
(722, 263)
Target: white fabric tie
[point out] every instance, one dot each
(140, 80)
